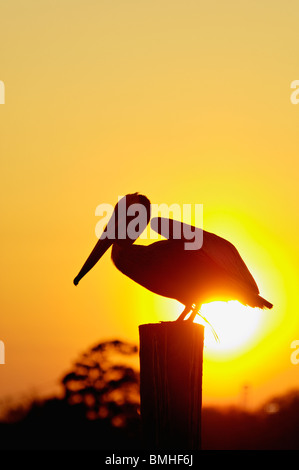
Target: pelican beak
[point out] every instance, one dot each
(100, 248)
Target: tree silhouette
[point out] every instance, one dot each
(99, 409)
(104, 383)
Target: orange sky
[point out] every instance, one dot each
(185, 102)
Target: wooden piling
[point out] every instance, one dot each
(171, 356)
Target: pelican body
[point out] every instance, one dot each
(213, 272)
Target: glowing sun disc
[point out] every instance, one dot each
(235, 325)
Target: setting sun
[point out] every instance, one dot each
(235, 325)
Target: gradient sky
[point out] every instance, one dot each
(184, 101)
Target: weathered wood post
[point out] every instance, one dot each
(171, 356)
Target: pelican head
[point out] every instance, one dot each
(130, 217)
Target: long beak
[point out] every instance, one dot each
(100, 248)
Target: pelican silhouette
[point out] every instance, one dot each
(216, 271)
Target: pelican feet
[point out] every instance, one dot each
(186, 311)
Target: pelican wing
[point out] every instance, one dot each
(218, 249)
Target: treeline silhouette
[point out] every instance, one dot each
(99, 409)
